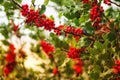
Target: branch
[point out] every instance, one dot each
(16, 4)
(58, 73)
(115, 3)
(106, 18)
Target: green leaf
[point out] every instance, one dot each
(46, 2)
(84, 18)
(1, 1)
(111, 36)
(19, 1)
(33, 1)
(98, 45)
(5, 42)
(94, 75)
(97, 68)
(43, 8)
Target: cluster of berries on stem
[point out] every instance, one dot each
(11, 61)
(117, 67)
(47, 48)
(33, 17)
(108, 2)
(74, 53)
(95, 14)
(78, 66)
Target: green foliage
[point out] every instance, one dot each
(101, 44)
(1, 1)
(43, 8)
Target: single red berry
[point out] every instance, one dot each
(15, 28)
(55, 71)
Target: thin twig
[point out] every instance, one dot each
(58, 74)
(115, 3)
(16, 4)
(33, 4)
(106, 18)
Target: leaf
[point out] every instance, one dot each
(43, 8)
(46, 2)
(97, 68)
(84, 18)
(98, 45)
(111, 36)
(94, 75)
(19, 1)
(5, 42)
(1, 1)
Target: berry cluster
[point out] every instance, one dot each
(47, 48)
(95, 15)
(108, 2)
(10, 59)
(33, 17)
(74, 31)
(78, 66)
(59, 29)
(25, 10)
(74, 52)
(117, 67)
(69, 30)
(85, 1)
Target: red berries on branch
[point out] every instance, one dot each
(47, 48)
(74, 52)
(108, 2)
(11, 61)
(95, 15)
(25, 10)
(78, 67)
(59, 29)
(33, 17)
(117, 67)
(8, 68)
(68, 30)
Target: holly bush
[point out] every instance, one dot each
(84, 46)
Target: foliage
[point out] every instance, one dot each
(85, 47)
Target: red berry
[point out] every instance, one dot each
(15, 28)
(55, 71)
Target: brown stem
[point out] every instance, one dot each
(67, 32)
(16, 3)
(106, 18)
(115, 3)
(24, 66)
(58, 74)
